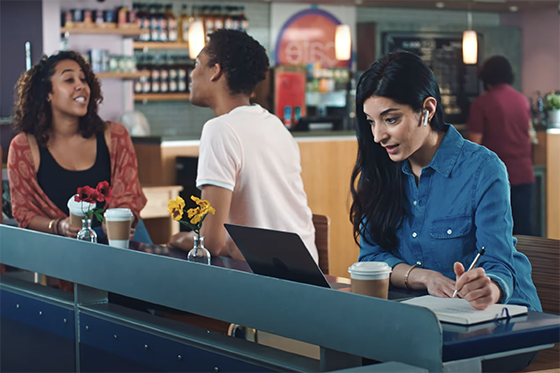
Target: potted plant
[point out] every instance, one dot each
(552, 105)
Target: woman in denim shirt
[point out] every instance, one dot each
(425, 201)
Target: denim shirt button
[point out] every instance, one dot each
(414, 234)
(414, 203)
(449, 231)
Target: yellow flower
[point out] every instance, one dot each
(175, 208)
(204, 206)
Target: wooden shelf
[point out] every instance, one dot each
(125, 31)
(161, 96)
(159, 45)
(119, 75)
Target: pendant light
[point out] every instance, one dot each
(343, 43)
(197, 39)
(470, 43)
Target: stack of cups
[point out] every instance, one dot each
(370, 278)
(118, 222)
(78, 211)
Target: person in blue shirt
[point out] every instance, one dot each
(425, 201)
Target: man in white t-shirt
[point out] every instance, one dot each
(249, 165)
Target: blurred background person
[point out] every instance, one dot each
(500, 120)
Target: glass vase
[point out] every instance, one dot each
(86, 233)
(199, 253)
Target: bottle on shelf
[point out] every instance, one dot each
(218, 17)
(138, 83)
(228, 20)
(154, 23)
(162, 24)
(147, 81)
(244, 20)
(208, 20)
(184, 23)
(171, 23)
(155, 76)
(172, 67)
(163, 75)
(182, 75)
(236, 18)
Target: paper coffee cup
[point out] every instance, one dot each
(370, 278)
(118, 222)
(77, 211)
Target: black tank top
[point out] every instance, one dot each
(59, 184)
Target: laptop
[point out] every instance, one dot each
(277, 254)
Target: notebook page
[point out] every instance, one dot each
(457, 310)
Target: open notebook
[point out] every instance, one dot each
(459, 311)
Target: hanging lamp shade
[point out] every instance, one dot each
(470, 47)
(197, 39)
(343, 43)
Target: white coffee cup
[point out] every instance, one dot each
(118, 222)
(370, 278)
(77, 211)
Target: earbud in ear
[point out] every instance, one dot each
(426, 113)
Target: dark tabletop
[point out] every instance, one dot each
(459, 342)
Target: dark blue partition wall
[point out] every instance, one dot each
(35, 336)
(108, 347)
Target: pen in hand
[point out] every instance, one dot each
(471, 266)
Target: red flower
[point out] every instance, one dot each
(104, 191)
(86, 194)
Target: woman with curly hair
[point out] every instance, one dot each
(63, 144)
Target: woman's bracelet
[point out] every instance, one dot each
(51, 225)
(408, 273)
(58, 226)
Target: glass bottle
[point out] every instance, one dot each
(86, 233)
(199, 253)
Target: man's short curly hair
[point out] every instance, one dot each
(32, 112)
(242, 58)
(496, 70)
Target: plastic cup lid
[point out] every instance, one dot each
(367, 268)
(120, 213)
(79, 208)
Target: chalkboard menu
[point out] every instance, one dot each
(443, 53)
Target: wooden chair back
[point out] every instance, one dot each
(544, 255)
(322, 240)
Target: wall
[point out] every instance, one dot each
(180, 118)
(497, 38)
(541, 51)
(117, 93)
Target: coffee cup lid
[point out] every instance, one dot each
(366, 268)
(121, 213)
(79, 208)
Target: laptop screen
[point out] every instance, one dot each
(276, 254)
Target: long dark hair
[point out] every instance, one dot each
(32, 112)
(377, 182)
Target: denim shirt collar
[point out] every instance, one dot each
(446, 156)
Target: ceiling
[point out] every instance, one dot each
(476, 5)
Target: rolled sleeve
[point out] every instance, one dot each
(506, 290)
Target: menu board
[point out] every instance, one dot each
(443, 53)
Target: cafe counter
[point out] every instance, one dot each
(327, 160)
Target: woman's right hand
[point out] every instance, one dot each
(67, 229)
(437, 284)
